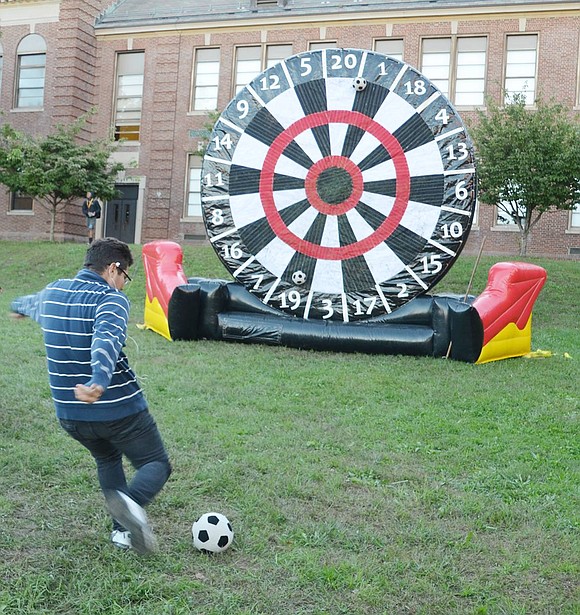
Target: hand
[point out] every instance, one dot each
(16, 315)
(88, 394)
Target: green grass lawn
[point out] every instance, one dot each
(356, 484)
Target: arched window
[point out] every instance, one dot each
(31, 72)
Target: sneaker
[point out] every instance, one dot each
(122, 540)
(132, 516)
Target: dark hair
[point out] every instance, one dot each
(103, 252)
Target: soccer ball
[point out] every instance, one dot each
(359, 84)
(299, 277)
(212, 533)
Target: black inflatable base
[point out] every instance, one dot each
(435, 326)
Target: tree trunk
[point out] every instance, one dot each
(524, 237)
(52, 222)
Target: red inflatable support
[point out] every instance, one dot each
(505, 308)
(163, 274)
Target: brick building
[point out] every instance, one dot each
(155, 71)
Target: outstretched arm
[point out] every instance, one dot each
(28, 305)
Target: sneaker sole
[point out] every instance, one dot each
(142, 537)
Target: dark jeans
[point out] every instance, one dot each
(136, 437)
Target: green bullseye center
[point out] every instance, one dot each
(334, 185)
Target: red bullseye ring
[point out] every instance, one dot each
(314, 174)
(390, 223)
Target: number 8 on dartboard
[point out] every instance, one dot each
(339, 184)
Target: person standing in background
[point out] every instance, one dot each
(92, 212)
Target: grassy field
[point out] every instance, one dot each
(356, 484)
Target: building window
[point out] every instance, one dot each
(521, 65)
(248, 65)
(470, 73)
(277, 53)
(436, 62)
(31, 70)
(322, 45)
(392, 47)
(249, 62)
(457, 67)
(1, 64)
(206, 79)
(193, 205)
(575, 218)
(503, 219)
(129, 95)
(578, 77)
(20, 202)
(510, 207)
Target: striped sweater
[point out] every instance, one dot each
(84, 322)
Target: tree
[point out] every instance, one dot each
(211, 117)
(528, 161)
(57, 169)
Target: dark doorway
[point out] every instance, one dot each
(121, 213)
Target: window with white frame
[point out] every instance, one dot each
(475, 219)
(521, 65)
(392, 47)
(578, 76)
(503, 218)
(206, 79)
(470, 71)
(322, 45)
(129, 95)
(193, 204)
(456, 66)
(509, 207)
(277, 53)
(575, 218)
(1, 63)
(31, 68)
(436, 62)
(249, 63)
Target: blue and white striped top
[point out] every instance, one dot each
(84, 322)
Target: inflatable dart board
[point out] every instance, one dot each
(338, 184)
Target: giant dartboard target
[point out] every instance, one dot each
(339, 184)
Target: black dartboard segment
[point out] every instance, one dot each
(339, 184)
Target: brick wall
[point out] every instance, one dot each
(80, 76)
(70, 84)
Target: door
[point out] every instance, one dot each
(121, 212)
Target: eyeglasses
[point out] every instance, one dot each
(127, 276)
